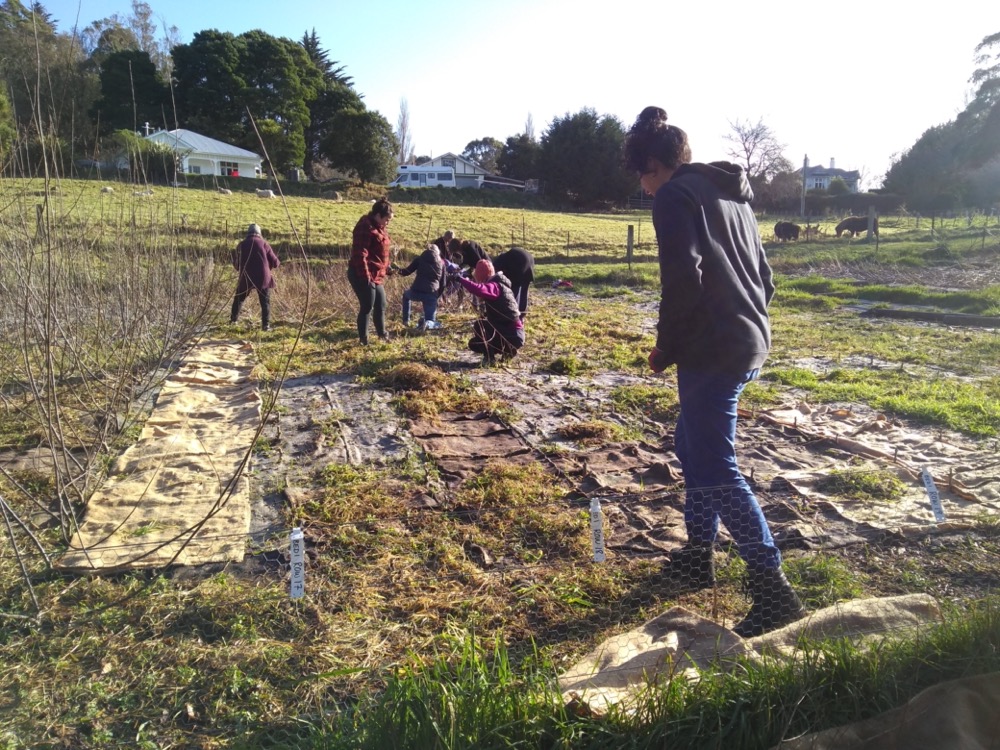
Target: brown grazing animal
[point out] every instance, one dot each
(856, 225)
(786, 230)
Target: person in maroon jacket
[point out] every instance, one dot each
(254, 259)
(369, 265)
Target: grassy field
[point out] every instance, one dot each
(403, 640)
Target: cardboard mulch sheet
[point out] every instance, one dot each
(178, 495)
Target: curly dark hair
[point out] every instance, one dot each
(650, 137)
(381, 207)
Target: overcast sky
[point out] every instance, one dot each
(850, 80)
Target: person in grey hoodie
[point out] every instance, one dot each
(427, 287)
(713, 325)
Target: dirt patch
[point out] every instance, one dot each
(332, 420)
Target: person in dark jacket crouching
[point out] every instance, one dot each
(518, 265)
(427, 287)
(254, 259)
(499, 333)
(713, 324)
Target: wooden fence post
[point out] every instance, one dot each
(628, 245)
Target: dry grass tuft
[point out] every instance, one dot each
(412, 376)
(590, 432)
(427, 392)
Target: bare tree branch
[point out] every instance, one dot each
(757, 148)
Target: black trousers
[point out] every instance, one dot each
(492, 344)
(371, 301)
(521, 295)
(264, 295)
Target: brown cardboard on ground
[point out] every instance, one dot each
(178, 495)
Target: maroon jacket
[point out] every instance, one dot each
(370, 251)
(254, 259)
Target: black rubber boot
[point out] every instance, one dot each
(691, 568)
(775, 604)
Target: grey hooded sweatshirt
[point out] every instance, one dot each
(715, 280)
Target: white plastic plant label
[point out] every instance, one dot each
(298, 562)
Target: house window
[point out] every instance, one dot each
(447, 162)
(195, 170)
(818, 185)
(229, 169)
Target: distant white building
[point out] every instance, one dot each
(199, 154)
(468, 174)
(819, 177)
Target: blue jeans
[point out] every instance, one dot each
(715, 490)
(429, 300)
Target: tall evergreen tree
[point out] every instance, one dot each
(519, 157)
(581, 158)
(363, 144)
(226, 84)
(955, 164)
(132, 93)
(335, 94)
(209, 85)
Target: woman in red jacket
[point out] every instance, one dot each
(369, 265)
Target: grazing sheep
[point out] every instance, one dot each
(225, 191)
(107, 189)
(265, 193)
(143, 192)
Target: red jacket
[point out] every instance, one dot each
(370, 251)
(254, 259)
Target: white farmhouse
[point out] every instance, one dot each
(820, 177)
(199, 154)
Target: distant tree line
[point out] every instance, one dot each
(76, 96)
(957, 165)
(72, 95)
(577, 159)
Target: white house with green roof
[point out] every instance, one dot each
(199, 154)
